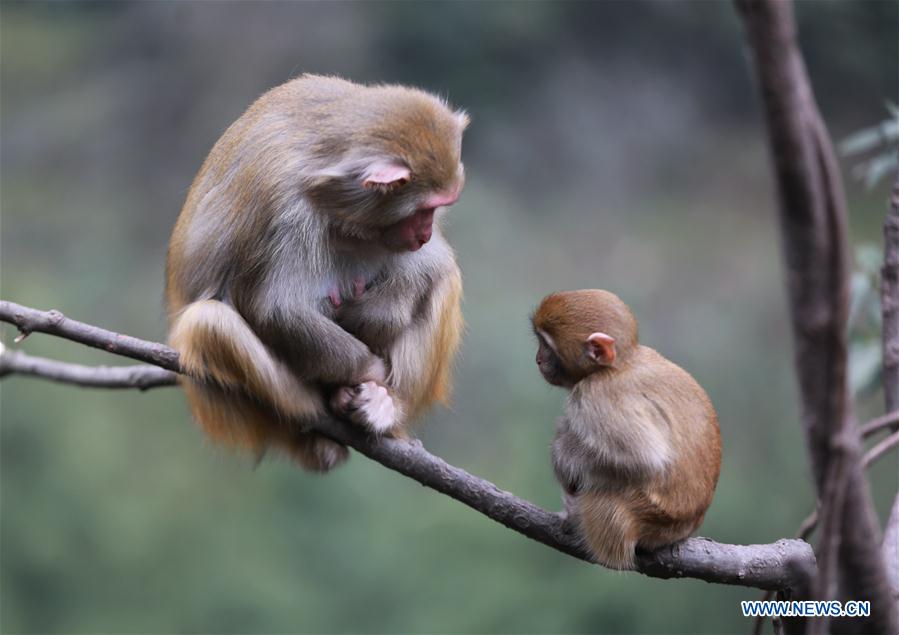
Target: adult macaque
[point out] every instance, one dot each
(638, 449)
(307, 266)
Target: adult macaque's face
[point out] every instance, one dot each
(414, 232)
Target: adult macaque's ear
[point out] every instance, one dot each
(386, 175)
(601, 348)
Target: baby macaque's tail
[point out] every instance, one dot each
(609, 528)
(613, 524)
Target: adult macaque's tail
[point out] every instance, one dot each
(225, 362)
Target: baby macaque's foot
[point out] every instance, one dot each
(369, 404)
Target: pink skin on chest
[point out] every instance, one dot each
(358, 290)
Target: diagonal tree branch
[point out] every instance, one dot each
(55, 323)
(783, 565)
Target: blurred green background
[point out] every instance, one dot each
(615, 145)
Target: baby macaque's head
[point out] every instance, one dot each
(581, 332)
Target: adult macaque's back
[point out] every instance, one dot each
(308, 267)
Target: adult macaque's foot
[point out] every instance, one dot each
(369, 404)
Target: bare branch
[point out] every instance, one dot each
(807, 526)
(140, 376)
(810, 523)
(55, 323)
(813, 222)
(877, 424)
(881, 448)
(783, 565)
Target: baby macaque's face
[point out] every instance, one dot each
(548, 361)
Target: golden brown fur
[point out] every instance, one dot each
(638, 449)
(308, 265)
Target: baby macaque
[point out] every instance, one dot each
(638, 449)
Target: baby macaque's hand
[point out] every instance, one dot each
(368, 404)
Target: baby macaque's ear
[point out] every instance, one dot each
(386, 175)
(601, 348)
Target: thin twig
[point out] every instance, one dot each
(785, 564)
(883, 422)
(142, 376)
(877, 424)
(808, 525)
(881, 448)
